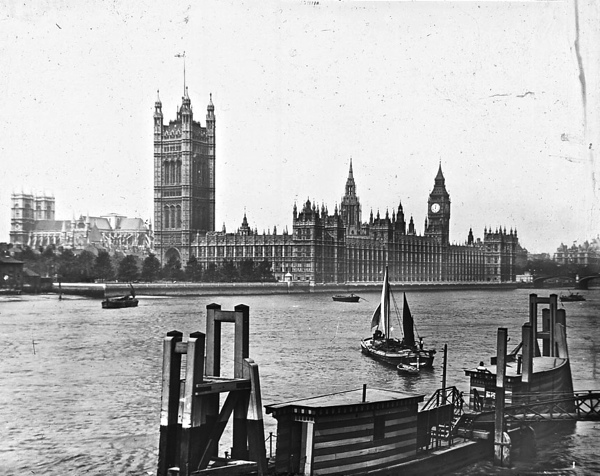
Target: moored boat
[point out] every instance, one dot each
(346, 298)
(128, 300)
(407, 369)
(572, 297)
(390, 350)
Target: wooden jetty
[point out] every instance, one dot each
(530, 385)
(369, 431)
(191, 423)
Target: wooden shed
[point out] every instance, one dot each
(346, 433)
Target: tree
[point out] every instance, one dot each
(48, 260)
(247, 270)
(85, 266)
(193, 271)
(67, 266)
(128, 269)
(103, 268)
(228, 272)
(150, 268)
(172, 269)
(265, 272)
(31, 259)
(210, 275)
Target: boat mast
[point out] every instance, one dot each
(385, 304)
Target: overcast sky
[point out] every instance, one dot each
(504, 95)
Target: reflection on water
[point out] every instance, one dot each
(81, 385)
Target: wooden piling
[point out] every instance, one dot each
(169, 428)
(255, 422)
(553, 308)
(527, 357)
(533, 311)
(241, 352)
(191, 420)
(501, 438)
(213, 362)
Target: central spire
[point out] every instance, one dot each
(350, 184)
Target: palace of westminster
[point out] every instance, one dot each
(322, 248)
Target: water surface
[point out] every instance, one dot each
(80, 388)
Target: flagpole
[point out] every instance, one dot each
(182, 55)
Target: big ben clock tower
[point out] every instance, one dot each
(438, 211)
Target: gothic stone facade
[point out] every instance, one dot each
(323, 247)
(33, 224)
(184, 179)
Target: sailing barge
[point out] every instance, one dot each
(387, 349)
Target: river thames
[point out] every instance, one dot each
(80, 390)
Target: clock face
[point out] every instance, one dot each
(435, 207)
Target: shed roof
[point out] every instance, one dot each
(351, 400)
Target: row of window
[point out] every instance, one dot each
(171, 172)
(172, 216)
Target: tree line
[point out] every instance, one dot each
(87, 267)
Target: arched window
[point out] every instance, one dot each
(166, 221)
(178, 171)
(166, 172)
(178, 217)
(171, 172)
(172, 216)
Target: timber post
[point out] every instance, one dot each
(533, 311)
(241, 352)
(191, 422)
(501, 438)
(527, 366)
(169, 427)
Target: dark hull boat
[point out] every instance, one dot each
(346, 298)
(572, 297)
(128, 300)
(393, 351)
(117, 303)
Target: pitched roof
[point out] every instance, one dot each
(51, 225)
(102, 223)
(133, 224)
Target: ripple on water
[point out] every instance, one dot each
(81, 385)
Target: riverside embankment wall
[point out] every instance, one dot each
(101, 290)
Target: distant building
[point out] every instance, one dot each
(33, 224)
(184, 179)
(323, 247)
(339, 247)
(586, 254)
(11, 273)
(526, 277)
